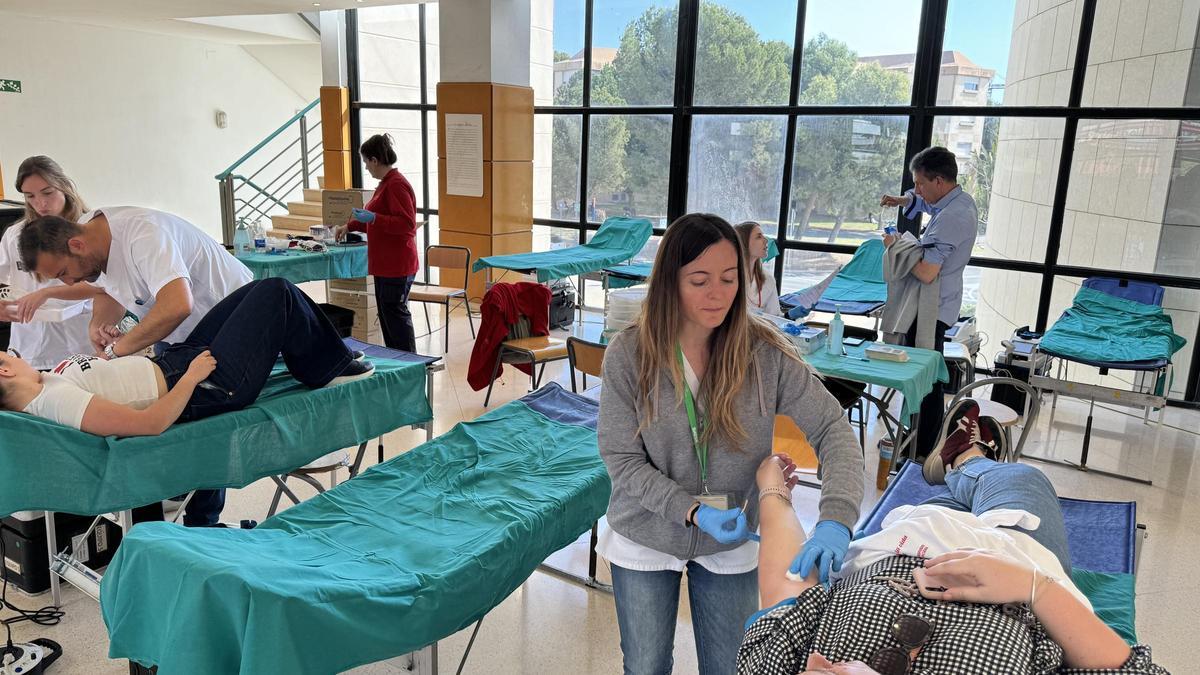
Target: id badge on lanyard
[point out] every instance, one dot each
(716, 501)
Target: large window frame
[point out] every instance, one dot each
(920, 111)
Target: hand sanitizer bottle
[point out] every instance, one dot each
(836, 329)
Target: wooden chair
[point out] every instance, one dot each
(586, 357)
(444, 258)
(522, 348)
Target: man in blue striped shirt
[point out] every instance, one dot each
(947, 240)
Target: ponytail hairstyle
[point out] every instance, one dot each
(379, 148)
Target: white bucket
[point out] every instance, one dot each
(623, 308)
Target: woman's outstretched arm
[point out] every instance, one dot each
(781, 535)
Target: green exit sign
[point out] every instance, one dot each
(10, 86)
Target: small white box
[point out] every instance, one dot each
(810, 340)
(887, 353)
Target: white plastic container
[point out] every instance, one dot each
(623, 308)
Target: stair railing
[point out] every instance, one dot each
(296, 148)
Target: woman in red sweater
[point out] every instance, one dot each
(390, 221)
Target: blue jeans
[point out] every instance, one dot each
(246, 332)
(648, 605)
(980, 485)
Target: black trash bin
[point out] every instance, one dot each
(341, 318)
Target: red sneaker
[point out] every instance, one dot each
(963, 433)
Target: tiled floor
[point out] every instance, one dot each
(552, 626)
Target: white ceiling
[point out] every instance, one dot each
(171, 17)
(177, 9)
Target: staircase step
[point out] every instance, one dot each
(293, 224)
(321, 182)
(312, 195)
(305, 208)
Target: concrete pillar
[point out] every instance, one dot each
(485, 71)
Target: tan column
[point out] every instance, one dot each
(501, 221)
(335, 137)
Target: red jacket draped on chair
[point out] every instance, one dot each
(504, 305)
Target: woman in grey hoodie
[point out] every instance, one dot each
(686, 415)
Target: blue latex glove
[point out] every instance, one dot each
(727, 526)
(825, 549)
(362, 215)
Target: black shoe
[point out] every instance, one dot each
(357, 355)
(355, 370)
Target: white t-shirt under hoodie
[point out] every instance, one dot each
(68, 389)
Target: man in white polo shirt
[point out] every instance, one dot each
(154, 264)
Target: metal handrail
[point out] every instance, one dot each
(268, 195)
(228, 172)
(271, 195)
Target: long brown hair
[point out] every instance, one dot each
(731, 345)
(755, 272)
(52, 173)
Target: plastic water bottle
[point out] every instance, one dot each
(836, 329)
(241, 240)
(260, 237)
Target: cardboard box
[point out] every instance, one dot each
(374, 337)
(356, 284)
(336, 205)
(356, 300)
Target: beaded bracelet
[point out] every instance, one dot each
(782, 492)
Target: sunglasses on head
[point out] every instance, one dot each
(911, 631)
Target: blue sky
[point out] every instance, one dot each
(981, 30)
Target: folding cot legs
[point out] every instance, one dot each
(67, 567)
(1092, 393)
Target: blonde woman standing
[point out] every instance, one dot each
(48, 192)
(686, 416)
(761, 294)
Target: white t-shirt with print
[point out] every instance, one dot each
(150, 249)
(69, 387)
(41, 343)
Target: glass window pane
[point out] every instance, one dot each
(736, 167)
(1008, 53)
(431, 148)
(633, 52)
(805, 269)
(557, 140)
(1001, 301)
(556, 52)
(1010, 166)
(628, 167)
(405, 129)
(1142, 55)
(433, 58)
(842, 166)
(547, 238)
(859, 52)
(389, 56)
(1133, 203)
(744, 52)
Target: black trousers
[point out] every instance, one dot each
(391, 299)
(933, 406)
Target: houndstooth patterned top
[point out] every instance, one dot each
(852, 621)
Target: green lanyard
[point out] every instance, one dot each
(694, 423)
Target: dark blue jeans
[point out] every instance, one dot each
(246, 332)
(981, 485)
(648, 605)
